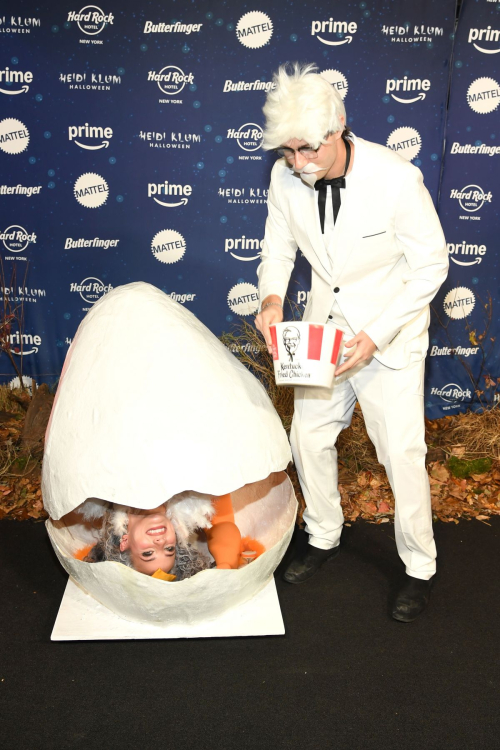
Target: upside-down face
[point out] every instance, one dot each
(150, 539)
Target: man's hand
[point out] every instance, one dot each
(365, 348)
(272, 314)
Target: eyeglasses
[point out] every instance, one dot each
(306, 151)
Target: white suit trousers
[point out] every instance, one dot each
(392, 402)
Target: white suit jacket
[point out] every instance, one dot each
(389, 249)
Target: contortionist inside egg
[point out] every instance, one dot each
(164, 457)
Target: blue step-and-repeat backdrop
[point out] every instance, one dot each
(130, 149)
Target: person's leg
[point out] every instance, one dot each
(320, 414)
(392, 402)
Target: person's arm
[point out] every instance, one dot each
(278, 258)
(419, 231)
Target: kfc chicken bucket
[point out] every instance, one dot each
(305, 353)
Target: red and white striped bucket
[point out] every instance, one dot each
(305, 353)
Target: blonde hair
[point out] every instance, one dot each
(301, 105)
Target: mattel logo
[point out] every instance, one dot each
(483, 95)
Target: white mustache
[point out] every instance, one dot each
(308, 169)
(309, 173)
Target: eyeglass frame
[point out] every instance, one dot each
(301, 150)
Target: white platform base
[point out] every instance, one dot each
(82, 618)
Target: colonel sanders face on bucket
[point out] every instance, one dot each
(291, 340)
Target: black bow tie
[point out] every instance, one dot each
(336, 183)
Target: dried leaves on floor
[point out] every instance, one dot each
(463, 467)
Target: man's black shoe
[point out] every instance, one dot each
(305, 565)
(412, 599)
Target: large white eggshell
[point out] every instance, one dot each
(265, 510)
(150, 404)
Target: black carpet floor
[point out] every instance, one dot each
(344, 676)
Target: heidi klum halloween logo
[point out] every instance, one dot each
(18, 24)
(254, 29)
(162, 139)
(412, 33)
(90, 81)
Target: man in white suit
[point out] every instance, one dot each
(365, 222)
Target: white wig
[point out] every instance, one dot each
(188, 511)
(301, 105)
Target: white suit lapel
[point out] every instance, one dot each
(306, 206)
(347, 224)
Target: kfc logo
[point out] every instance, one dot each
(291, 341)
